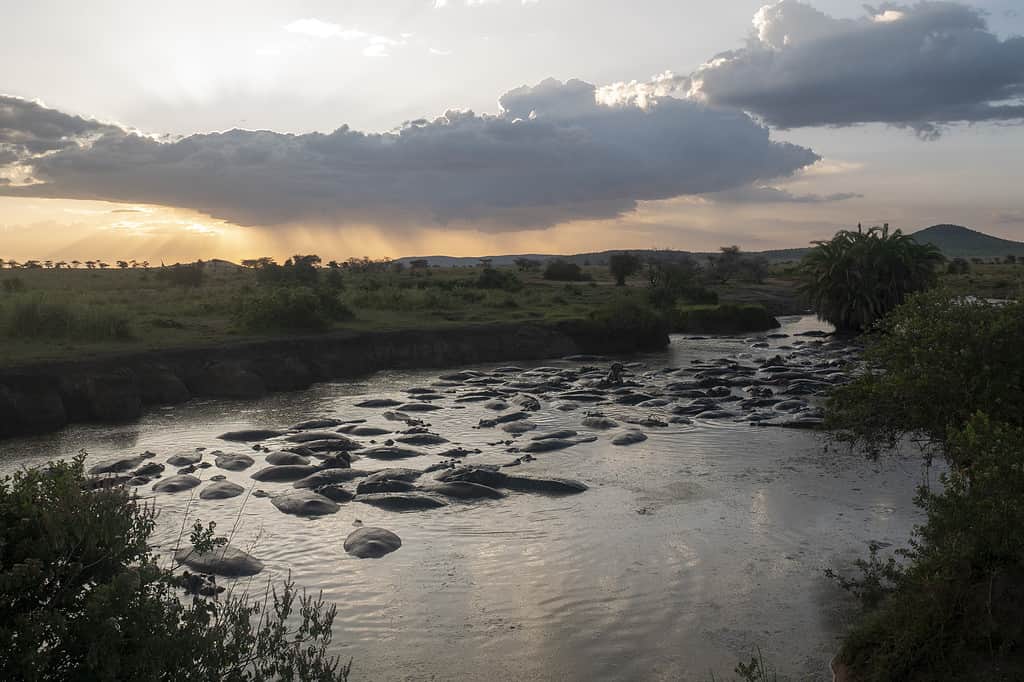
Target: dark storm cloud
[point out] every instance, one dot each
(28, 128)
(917, 66)
(554, 154)
(757, 194)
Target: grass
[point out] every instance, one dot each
(58, 314)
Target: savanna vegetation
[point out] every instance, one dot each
(945, 373)
(74, 310)
(86, 597)
(855, 278)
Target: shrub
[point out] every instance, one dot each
(78, 322)
(726, 318)
(85, 598)
(498, 279)
(561, 270)
(296, 308)
(629, 319)
(14, 285)
(936, 360)
(190, 275)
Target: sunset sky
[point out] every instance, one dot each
(176, 131)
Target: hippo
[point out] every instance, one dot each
(220, 490)
(597, 421)
(234, 462)
(314, 424)
(418, 407)
(120, 464)
(561, 433)
(556, 486)
(176, 484)
(496, 405)
(379, 402)
(304, 502)
(329, 476)
(422, 439)
(284, 472)
(503, 419)
(367, 431)
(371, 543)
(518, 427)
(548, 445)
(391, 452)
(466, 491)
(483, 474)
(226, 560)
(402, 501)
(149, 469)
(384, 485)
(336, 492)
(629, 438)
(285, 458)
(250, 435)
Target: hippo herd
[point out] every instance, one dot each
(330, 461)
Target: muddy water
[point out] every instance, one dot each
(688, 551)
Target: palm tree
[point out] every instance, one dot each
(855, 278)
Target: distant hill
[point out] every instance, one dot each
(952, 240)
(956, 240)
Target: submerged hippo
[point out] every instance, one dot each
(371, 543)
(250, 435)
(303, 502)
(176, 484)
(402, 501)
(227, 561)
(234, 462)
(220, 490)
(284, 472)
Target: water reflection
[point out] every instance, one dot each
(688, 551)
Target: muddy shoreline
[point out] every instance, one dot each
(44, 397)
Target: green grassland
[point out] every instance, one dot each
(49, 314)
(70, 313)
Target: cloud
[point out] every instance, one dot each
(764, 194)
(918, 66)
(554, 154)
(441, 4)
(376, 45)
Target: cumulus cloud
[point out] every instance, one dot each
(553, 154)
(918, 66)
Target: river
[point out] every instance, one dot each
(689, 550)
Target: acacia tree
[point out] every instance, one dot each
(622, 265)
(855, 278)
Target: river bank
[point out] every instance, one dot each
(46, 396)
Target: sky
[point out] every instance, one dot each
(386, 128)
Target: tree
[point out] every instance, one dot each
(76, 263)
(84, 597)
(726, 264)
(123, 264)
(623, 265)
(855, 278)
(419, 264)
(527, 264)
(563, 271)
(1011, 259)
(958, 266)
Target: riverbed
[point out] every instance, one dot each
(687, 552)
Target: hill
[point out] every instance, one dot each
(956, 240)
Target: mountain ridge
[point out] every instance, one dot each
(953, 240)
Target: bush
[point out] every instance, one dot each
(954, 611)
(292, 308)
(191, 275)
(14, 285)
(936, 361)
(622, 265)
(727, 318)
(77, 322)
(563, 271)
(84, 597)
(498, 279)
(631, 320)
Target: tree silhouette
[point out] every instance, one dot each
(622, 265)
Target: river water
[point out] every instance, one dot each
(688, 552)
